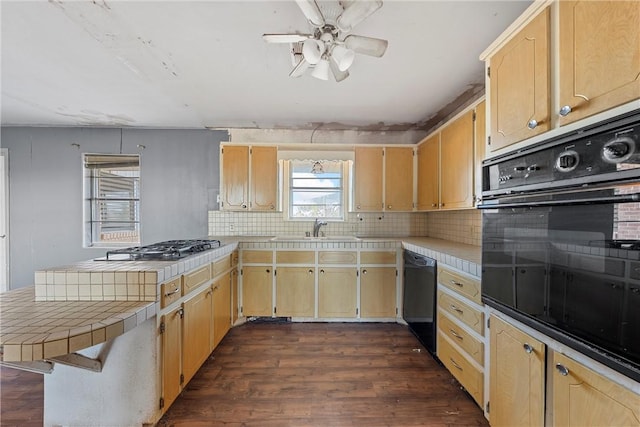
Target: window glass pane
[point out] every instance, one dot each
(316, 189)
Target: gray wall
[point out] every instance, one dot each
(179, 174)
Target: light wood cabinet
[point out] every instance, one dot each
(295, 291)
(582, 397)
(599, 44)
(469, 376)
(257, 291)
(429, 174)
(480, 146)
(197, 332)
(456, 163)
(516, 377)
(461, 311)
(398, 164)
(249, 178)
(337, 292)
(368, 179)
(194, 279)
(377, 292)
(234, 295)
(170, 292)
(221, 309)
(462, 284)
(171, 329)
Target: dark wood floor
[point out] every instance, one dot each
(297, 374)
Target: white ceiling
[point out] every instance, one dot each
(179, 64)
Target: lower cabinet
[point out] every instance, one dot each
(582, 397)
(257, 291)
(197, 332)
(221, 307)
(171, 327)
(516, 378)
(234, 295)
(295, 291)
(378, 292)
(337, 292)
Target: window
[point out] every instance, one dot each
(111, 199)
(316, 189)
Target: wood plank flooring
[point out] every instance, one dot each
(322, 374)
(297, 374)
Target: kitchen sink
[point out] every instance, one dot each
(315, 239)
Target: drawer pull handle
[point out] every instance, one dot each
(453, 282)
(527, 348)
(455, 364)
(172, 292)
(564, 371)
(454, 308)
(455, 334)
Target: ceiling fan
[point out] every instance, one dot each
(331, 47)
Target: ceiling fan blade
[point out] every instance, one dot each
(356, 12)
(286, 38)
(312, 12)
(337, 74)
(366, 45)
(299, 69)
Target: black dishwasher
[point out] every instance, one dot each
(419, 301)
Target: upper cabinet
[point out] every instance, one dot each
(560, 62)
(249, 178)
(519, 82)
(599, 56)
(383, 179)
(429, 174)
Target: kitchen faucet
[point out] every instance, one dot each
(317, 225)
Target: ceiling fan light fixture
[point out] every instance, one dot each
(343, 57)
(321, 70)
(356, 12)
(312, 50)
(311, 11)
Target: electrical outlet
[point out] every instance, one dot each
(232, 227)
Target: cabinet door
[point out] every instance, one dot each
(264, 178)
(520, 89)
(235, 177)
(516, 377)
(197, 333)
(221, 309)
(581, 397)
(171, 355)
(378, 292)
(398, 187)
(456, 167)
(429, 174)
(368, 179)
(295, 291)
(234, 295)
(337, 292)
(480, 145)
(599, 56)
(257, 291)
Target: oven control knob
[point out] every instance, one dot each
(567, 161)
(618, 150)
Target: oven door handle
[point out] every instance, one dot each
(621, 198)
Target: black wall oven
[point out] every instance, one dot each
(561, 239)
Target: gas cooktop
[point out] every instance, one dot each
(170, 250)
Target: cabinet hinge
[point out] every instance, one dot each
(275, 310)
(489, 72)
(357, 311)
(161, 402)
(488, 140)
(181, 379)
(473, 117)
(357, 273)
(242, 309)
(241, 272)
(275, 272)
(181, 313)
(250, 150)
(222, 151)
(396, 272)
(396, 311)
(487, 407)
(162, 327)
(489, 323)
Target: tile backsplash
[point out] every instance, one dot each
(457, 226)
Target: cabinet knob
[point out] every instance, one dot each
(565, 110)
(244, 206)
(388, 206)
(434, 205)
(533, 123)
(321, 271)
(268, 271)
(527, 348)
(358, 207)
(310, 271)
(364, 271)
(442, 205)
(564, 371)
(272, 207)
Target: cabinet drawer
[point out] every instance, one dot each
(194, 279)
(296, 257)
(257, 257)
(385, 257)
(170, 292)
(459, 283)
(470, 377)
(466, 341)
(472, 317)
(337, 257)
(221, 265)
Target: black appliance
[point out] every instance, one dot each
(419, 300)
(170, 250)
(561, 239)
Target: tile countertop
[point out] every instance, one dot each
(34, 330)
